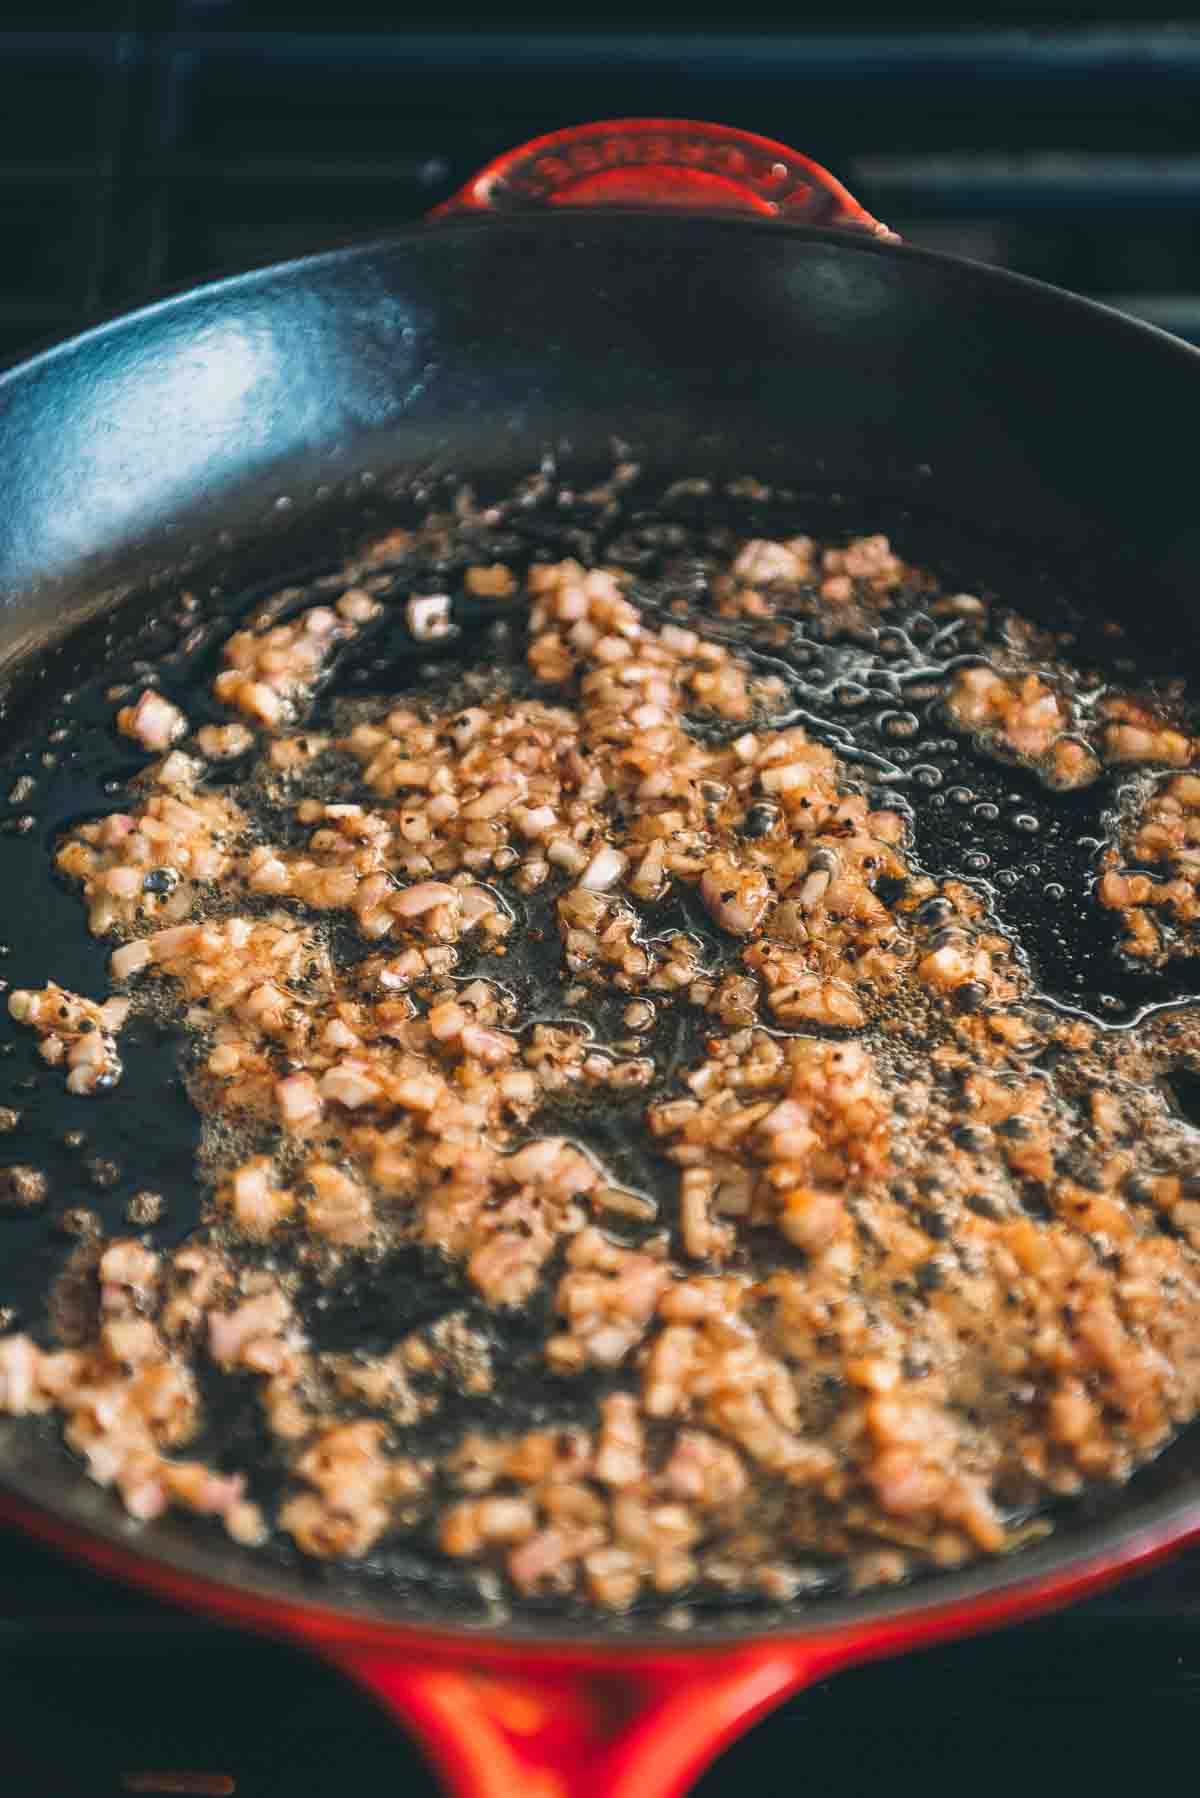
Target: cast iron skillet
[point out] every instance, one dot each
(792, 338)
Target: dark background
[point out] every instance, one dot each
(147, 144)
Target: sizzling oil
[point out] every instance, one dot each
(876, 695)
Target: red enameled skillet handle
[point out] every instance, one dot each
(604, 1731)
(671, 164)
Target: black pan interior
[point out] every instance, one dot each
(230, 434)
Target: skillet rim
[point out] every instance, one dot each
(588, 221)
(303, 1601)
